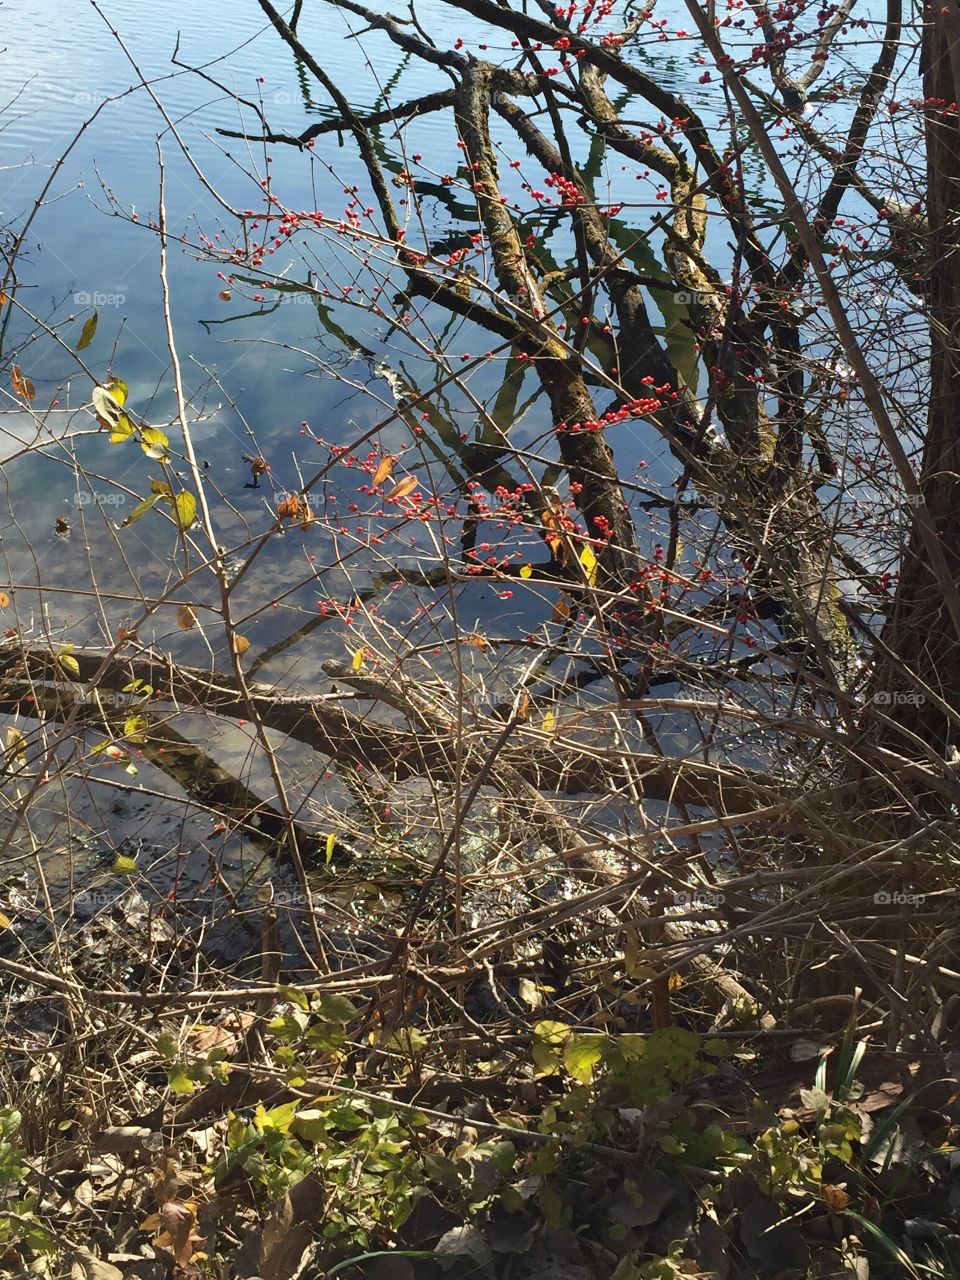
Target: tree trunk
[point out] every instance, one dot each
(919, 634)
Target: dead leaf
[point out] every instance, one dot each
(87, 1266)
(186, 618)
(240, 645)
(561, 610)
(22, 386)
(4, 600)
(224, 295)
(384, 471)
(477, 641)
(401, 490)
(835, 1198)
(61, 525)
(175, 1225)
(291, 507)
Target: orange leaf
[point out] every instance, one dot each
(4, 600)
(561, 610)
(224, 295)
(406, 485)
(240, 645)
(292, 507)
(477, 641)
(384, 471)
(22, 386)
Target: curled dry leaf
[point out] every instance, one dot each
(186, 618)
(175, 1226)
(477, 641)
(401, 490)
(22, 386)
(224, 295)
(292, 507)
(384, 471)
(240, 645)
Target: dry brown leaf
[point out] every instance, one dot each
(125, 633)
(61, 525)
(835, 1198)
(523, 707)
(291, 507)
(87, 1266)
(406, 486)
(477, 641)
(224, 295)
(22, 386)
(186, 618)
(240, 645)
(384, 471)
(561, 610)
(175, 1226)
(552, 536)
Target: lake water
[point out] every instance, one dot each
(267, 371)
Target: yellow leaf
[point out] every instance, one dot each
(16, 745)
(5, 921)
(124, 866)
(331, 845)
(161, 489)
(185, 509)
(69, 663)
(526, 571)
(590, 565)
(406, 486)
(154, 443)
(549, 722)
(383, 472)
(240, 645)
(357, 662)
(122, 430)
(89, 329)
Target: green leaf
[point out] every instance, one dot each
(334, 1008)
(167, 1046)
(180, 1082)
(141, 509)
(295, 996)
(277, 1120)
(581, 1054)
(155, 444)
(89, 329)
(185, 508)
